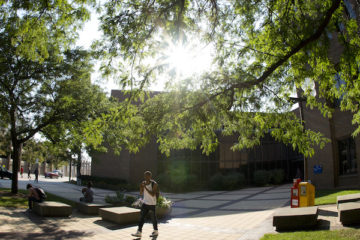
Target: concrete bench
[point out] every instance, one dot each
(120, 215)
(347, 198)
(349, 213)
(91, 208)
(52, 209)
(295, 218)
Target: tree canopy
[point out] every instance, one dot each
(43, 78)
(265, 52)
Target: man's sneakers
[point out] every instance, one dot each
(137, 234)
(155, 233)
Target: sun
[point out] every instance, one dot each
(188, 60)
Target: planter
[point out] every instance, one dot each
(162, 212)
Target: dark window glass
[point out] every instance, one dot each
(347, 156)
(349, 9)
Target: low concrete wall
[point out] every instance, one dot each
(120, 215)
(90, 208)
(349, 213)
(52, 209)
(295, 218)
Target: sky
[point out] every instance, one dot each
(87, 35)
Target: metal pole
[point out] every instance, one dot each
(303, 124)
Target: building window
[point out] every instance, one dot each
(349, 9)
(347, 157)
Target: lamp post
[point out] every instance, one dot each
(300, 101)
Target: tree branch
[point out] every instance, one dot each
(244, 85)
(302, 44)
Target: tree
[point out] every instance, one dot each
(5, 142)
(264, 52)
(36, 67)
(85, 130)
(34, 150)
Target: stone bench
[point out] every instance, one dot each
(295, 218)
(91, 208)
(52, 209)
(347, 198)
(349, 213)
(120, 215)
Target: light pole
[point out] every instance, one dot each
(300, 101)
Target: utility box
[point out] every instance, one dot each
(307, 194)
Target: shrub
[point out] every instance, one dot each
(129, 200)
(108, 183)
(163, 202)
(192, 182)
(261, 177)
(120, 199)
(277, 176)
(115, 200)
(216, 182)
(233, 181)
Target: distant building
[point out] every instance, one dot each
(268, 155)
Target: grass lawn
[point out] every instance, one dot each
(344, 234)
(329, 196)
(20, 200)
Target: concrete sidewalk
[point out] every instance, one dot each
(59, 187)
(242, 214)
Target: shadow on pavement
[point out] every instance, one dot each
(112, 226)
(323, 224)
(328, 213)
(51, 229)
(55, 234)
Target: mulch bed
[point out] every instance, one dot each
(5, 193)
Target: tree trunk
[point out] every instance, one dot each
(70, 162)
(7, 163)
(16, 159)
(78, 167)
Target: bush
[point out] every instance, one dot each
(230, 181)
(262, 177)
(120, 199)
(108, 183)
(163, 202)
(107, 180)
(216, 182)
(233, 181)
(277, 176)
(129, 200)
(115, 200)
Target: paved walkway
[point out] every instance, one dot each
(242, 214)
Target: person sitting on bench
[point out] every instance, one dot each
(88, 194)
(33, 195)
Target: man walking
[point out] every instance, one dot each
(148, 188)
(36, 172)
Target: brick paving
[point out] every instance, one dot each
(244, 214)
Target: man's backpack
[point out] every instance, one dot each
(41, 193)
(157, 190)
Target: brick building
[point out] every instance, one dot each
(269, 155)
